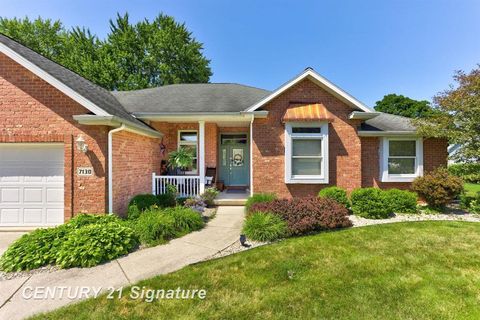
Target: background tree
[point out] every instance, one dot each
(155, 53)
(403, 106)
(458, 116)
(88, 56)
(133, 56)
(44, 36)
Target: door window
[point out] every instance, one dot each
(237, 157)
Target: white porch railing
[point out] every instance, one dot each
(187, 186)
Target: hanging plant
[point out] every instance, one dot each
(180, 159)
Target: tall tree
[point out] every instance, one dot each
(155, 53)
(458, 116)
(44, 36)
(88, 56)
(403, 106)
(133, 56)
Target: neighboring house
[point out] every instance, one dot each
(452, 150)
(68, 146)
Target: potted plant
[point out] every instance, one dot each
(180, 160)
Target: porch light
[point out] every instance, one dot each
(81, 145)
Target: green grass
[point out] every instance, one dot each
(415, 270)
(472, 188)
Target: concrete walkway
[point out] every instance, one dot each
(219, 233)
(7, 238)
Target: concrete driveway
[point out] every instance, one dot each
(6, 238)
(197, 246)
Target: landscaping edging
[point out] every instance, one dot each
(362, 222)
(357, 222)
(236, 247)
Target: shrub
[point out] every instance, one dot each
(209, 195)
(83, 219)
(154, 227)
(259, 198)
(34, 250)
(166, 200)
(264, 227)
(470, 203)
(401, 201)
(143, 201)
(42, 247)
(181, 200)
(196, 204)
(133, 212)
(185, 220)
(438, 187)
(95, 243)
(469, 172)
(475, 205)
(337, 194)
(465, 201)
(370, 203)
(304, 215)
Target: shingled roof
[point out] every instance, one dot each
(185, 98)
(388, 122)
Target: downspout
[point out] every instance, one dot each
(251, 154)
(110, 168)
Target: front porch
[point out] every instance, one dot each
(226, 198)
(222, 158)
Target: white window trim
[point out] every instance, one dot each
(384, 152)
(188, 143)
(289, 136)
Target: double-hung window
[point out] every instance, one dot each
(402, 159)
(188, 140)
(306, 152)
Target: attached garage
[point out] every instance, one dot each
(31, 184)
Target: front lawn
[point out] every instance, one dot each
(472, 189)
(419, 270)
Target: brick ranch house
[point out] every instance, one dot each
(68, 146)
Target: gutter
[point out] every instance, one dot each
(208, 115)
(363, 115)
(110, 168)
(114, 121)
(386, 133)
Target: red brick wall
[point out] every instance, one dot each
(434, 155)
(135, 158)
(31, 110)
(269, 141)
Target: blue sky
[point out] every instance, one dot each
(368, 48)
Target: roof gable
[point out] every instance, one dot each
(96, 99)
(316, 78)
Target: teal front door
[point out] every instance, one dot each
(234, 160)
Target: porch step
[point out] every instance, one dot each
(230, 202)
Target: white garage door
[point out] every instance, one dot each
(31, 184)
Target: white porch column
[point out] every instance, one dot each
(201, 154)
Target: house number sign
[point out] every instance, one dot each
(84, 171)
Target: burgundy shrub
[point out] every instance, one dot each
(304, 215)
